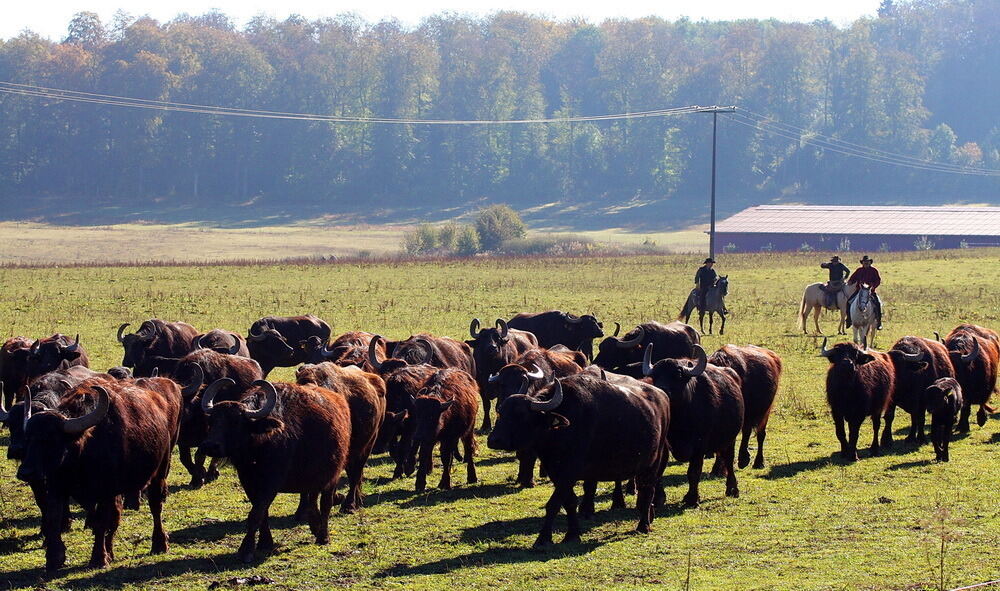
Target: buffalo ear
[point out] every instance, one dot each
(265, 425)
(470, 343)
(71, 355)
(558, 421)
(64, 364)
(864, 358)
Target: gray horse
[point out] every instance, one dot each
(863, 318)
(715, 302)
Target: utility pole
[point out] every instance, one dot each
(714, 110)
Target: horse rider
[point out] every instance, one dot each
(838, 275)
(866, 274)
(704, 279)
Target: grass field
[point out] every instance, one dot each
(807, 521)
(29, 243)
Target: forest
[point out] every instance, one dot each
(826, 114)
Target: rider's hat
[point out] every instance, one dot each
(708, 260)
(835, 259)
(865, 259)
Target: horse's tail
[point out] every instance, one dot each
(802, 310)
(687, 309)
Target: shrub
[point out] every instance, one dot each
(963, 244)
(845, 244)
(923, 243)
(731, 247)
(497, 224)
(421, 240)
(884, 247)
(767, 247)
(806, 248)
(467, 241)
(447, 236)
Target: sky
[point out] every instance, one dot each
(50, 18)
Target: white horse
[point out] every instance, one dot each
(814, 299)
(863, 318)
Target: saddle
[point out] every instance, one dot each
(830, 295)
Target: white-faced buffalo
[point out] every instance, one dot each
(445, 411)
(493, 348)
(274, 340)
(560, 328)
(194, 372)
(221, 341)
(14, 366)
(975, 355)
(759, 370)
(282, 438)
(53, 352)
(365, 393)
(98, 452)
(350, 348)
(675, 340)
(528, 374)
(918, 362)
(706, 406)
(859, 385)
(586, 428)
(155, 339)
(944, 402)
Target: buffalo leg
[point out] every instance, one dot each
(890, 416)
(921, 421)
(758, 461)
(487, 422)
(551, 510)
(717, 468)
(963, 419)
(569, 501)
(447, 455)
(691, 499)
(852, 440)
(355, 478)
(946, 436)
(981, 415)
(266, 542)
(469, 445)
(645, 485)
(732, 487)
(305, 508)
(194, 469)
(157, 494)
(319, 522)
(587, 503)
(52, 517)
(212, 474)
(618, 496)
(876, 425)
(526, 469)
(114, 520)
(258, 516)
(424, 465)
(106, 516)
(838, 425)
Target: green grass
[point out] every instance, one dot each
(807, 521)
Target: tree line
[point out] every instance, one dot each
(917, 80)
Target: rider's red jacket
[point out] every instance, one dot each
(866, 275)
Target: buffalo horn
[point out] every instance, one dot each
(197, 342)
(552, 403)
(572, 319)
(647, 360)
(81, 424)
(974, 354)
(634, 341)
(429, 356)
(699, 366)
(121, 329)
(913, 357)
(66, 385)
(372, 350)
(536, 373)
(493, 378)
(504, 329)
(474, 328)
(27, 407)
(191, 388)
(256, 337)
(155, 373)
(236, 344)
(618, 329)
(937, 337)
(35, 346)
(75, 345)
(208, 396)
(270, 399)
(3, 409)
(823, 352)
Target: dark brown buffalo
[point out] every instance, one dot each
(917, 363)
(194, 372)
(586, 428)
(51, 353)
(350, 348)
(759, 370)
(98, 452)
(975, 355)
(706, 406)
(365, 393)
(14, 367)
(445, 411)
(859, 385)
(222, 341)
(944, 402)
(282, 438)
(274, 340)
(155, 338)
(561, 328)
(493, 348)
(675, 340)
(528, 374)
(437, 351)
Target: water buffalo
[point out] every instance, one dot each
(222, 341)
(273, 341)
(944, 402)
(975, 355)
(493, 348)
(675, 340)
(53, 352)
(350, 348)
(444, 411)
(859, 385)
(917, 362)
(155, 339)
(560, 328)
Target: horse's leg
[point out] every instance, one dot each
(722, 327)
(701, 320)
(817, 310)
(711, 320)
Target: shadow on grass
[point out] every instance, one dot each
(490, 556)
(212, 531)
(434, 496)
(913, 464)
(120, 574)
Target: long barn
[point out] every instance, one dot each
(858, 228)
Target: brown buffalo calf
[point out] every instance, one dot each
(365, 393)
(975, 355)
(859, 385)
(445, 411)
(918, 362)
(944, 402)
(14, 367)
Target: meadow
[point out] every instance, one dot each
(806, 521)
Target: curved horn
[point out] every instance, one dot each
(536, 373)
(191, 388)
(121, 329)
(155, 373)
(552, 403)
(27, 407)
(647, 358)
(634, 341)
(974, 354)
(493, 378)
(913, 357)
(35, 346)
(197, 342)
(372, 357)
(81, 424)
(269, 401)
(75, 345)
(937, 337)
(504, 329)
(618, 328)
(256, 337)
(236, 344)
(823, 352)
(699, 367)
(327, 352)
(68, 386)
(571, 319)
(474, 328)
(430, 350)
(208, 396)
(4, 415)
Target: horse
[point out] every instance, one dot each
(815, 299)
(863, 318)
(714, 302)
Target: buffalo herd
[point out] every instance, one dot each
(104, 440)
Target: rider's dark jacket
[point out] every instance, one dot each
(867, 275)
(838, 270)
(705, 277)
